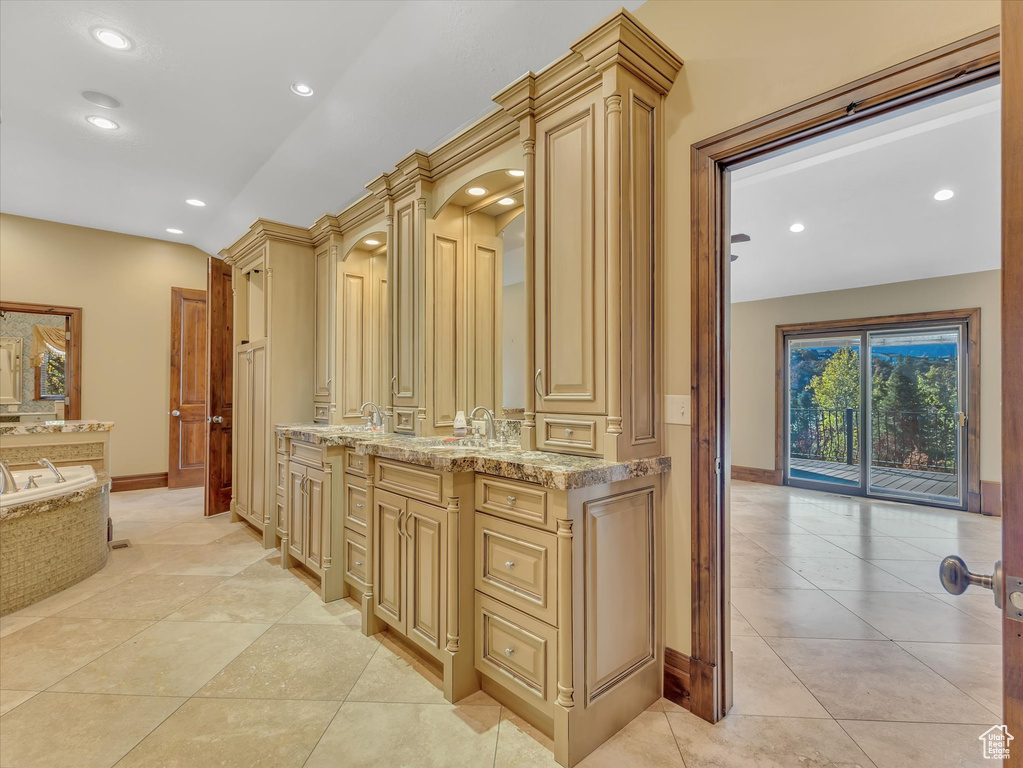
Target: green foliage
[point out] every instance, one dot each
(838, 385)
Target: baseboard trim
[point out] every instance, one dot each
(757, 475)
(676, 678)
(990, 498)
(138, 482)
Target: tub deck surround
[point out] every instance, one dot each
(551, 470)
(56, 427)
(47, 545)
(65, 443)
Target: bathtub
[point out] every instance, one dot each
(74, 477)
(52, 536)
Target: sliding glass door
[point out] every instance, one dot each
(877, 412)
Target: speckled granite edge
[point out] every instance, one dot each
(56, 427)
(551, 470)
(45, 505)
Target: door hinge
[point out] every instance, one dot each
(67, 400)
(717, 466)
(67, 335)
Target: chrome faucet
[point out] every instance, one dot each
(7, 481)
(377, 419)
(49, 465)
(488, 417)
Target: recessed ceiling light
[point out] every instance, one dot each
(302, 89)
(102, 122)
(507, 201)
(196, 203)
(101, 99)
(112, 39)
(371, 242)
(174, 231)
(517, 174)
(944, 194)
(476, 191)
(797, 227)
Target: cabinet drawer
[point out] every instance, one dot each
(518, 565)
(356, 504)
(307, 453)
(321, 412)
(570, 434)
(356, 563)
(356, 463)
(405, 420)
(516, 651)
(282, 446)
(412, 481)
(519, 502)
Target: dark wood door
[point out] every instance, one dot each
(187, 464)
(219, 385)
(1012, 375)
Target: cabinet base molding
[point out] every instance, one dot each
(676, 677)
(138, 482)
(757, 475)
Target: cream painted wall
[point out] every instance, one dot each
(122, 283)
(745, 59)
(753, 353)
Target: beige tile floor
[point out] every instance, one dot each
(194, 648)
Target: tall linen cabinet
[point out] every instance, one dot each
(273, 283)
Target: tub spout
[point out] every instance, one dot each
(49, 465)
(7, 482)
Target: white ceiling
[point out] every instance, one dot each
(208, 112)
(866, 199)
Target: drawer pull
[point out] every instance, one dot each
(358, 506)
(509, 652)
(358, 463)
(509, 565)
(511, 500)
(358, 563)
(568, 432)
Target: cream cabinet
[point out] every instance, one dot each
(568, 606)
(250, 456)
(309, 517)
(273, 285)
(421, 564)
(323, 334)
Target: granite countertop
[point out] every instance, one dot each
(551, 470)
(53, 427)
(45, 505)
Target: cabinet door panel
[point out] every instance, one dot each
(318, 506)
(321, 333)
(405, 307)
(389, 559)
(426, 574)
(297, 512)
(260, 444)
(243, 425)
(570, 323)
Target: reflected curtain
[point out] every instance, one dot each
(47, 337)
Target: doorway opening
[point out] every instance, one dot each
(831, 573)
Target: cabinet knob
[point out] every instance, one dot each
(358, 506)
(509, 565)
(358, 563)
(568, 432)
(509, 652)
(511, 500)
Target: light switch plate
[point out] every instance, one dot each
(677, 409)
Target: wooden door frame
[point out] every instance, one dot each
(966, 61)
(970, 318)
(73, 366)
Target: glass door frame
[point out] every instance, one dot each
(968, 475)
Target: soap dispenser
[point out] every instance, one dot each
(461, 427)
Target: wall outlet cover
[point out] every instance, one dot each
(678, 409)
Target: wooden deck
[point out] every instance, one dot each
(881, 478)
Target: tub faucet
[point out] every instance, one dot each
(377, 417)
(7, 482)
(488, 417)
(49, 465)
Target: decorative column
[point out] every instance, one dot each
(452, 596)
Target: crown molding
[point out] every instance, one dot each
(623, 41)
